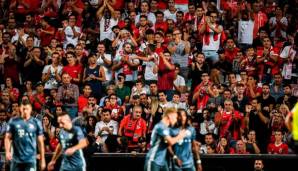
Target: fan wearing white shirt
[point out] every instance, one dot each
(104, 60)
(145, 11)
(179, 82)
(105, 15)
(175, 103)
(107, 126)
(72, 32)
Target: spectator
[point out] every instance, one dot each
(105, 17)
(276, 88)
(51, 74)
(71, 31)
(133, 127)
(258, 121)
(106, 126)
(145, 11)
(229, 121)
(105, 60)
(207, 126)
(68, 94)
(83, 98)
(212, 35)
(258, 165)
(223, 146)
(198, 67)
(278, 147)
(49, 131)
(180, 50)
(245, 29)
(209, 141)
(117, 111)
(94, 75)
(91, 109)
(202, 92)
(74, 69)
(13, 91)
(260, 18)
(176, 102)
(240, 148)
(39, 98)
(166, 73)
(126, 63)
(33, 65)
(251, 143)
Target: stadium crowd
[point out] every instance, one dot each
(116, 65)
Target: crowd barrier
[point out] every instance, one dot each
(216, 162)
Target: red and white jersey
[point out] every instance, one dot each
(277, 149)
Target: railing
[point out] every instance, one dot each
(216, 162)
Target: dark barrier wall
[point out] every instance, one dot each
(131, 162)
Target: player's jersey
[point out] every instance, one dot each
(158, 146)
(24, 136)
(69, 139)
(183, 148)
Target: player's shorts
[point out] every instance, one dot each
(77, 169)
(22, 166)
(151, 166)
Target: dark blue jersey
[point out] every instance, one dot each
(24, 135)
(183, 148)
(67, 140)
(158, 146)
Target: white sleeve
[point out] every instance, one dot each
(285, 52)
(115, 131)
(96, 129)
(45, 69)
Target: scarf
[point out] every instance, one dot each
(207, 35)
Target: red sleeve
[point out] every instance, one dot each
(260, 52)
(269, 149)
(144, 126)
(285, 149)
(124, 121)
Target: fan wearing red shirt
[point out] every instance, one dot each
(116, 110)
(160, 23)
(73, 68)
(249, 63)
(83, 98)
(268, 60)
(230, 121)
(133, 127)
(260, 18)
(278, 147)
(166, 74)
(240, 148)
(24, 6)
(47, 32)
(230, 50)
(159, 40)
(191, 14)
(202, 92)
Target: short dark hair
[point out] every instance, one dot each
(105, 110)
(25, 102)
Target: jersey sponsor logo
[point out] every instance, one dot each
(70, 136)
(21, 133)
(166, 132)
(18, 126)
(31, 126)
